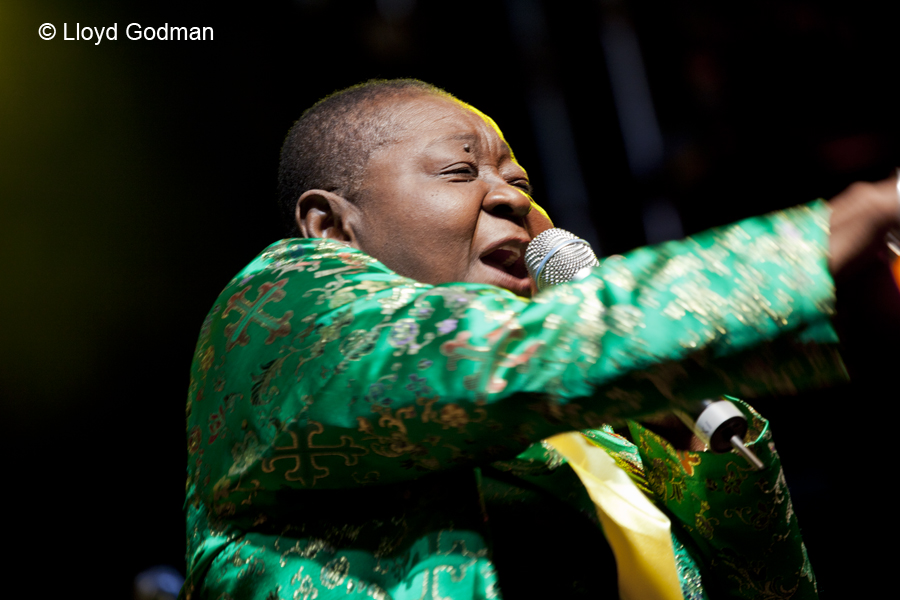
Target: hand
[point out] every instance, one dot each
(861, 216)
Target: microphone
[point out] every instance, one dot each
(556, 256)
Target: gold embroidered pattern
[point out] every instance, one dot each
(369, 377)
(296, 455)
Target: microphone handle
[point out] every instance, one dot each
(722, 427)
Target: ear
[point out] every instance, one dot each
(322, 214)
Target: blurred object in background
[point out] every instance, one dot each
(158, 583)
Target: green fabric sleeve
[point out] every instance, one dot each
(736, 522)
(320, 368)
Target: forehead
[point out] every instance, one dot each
(426, 120)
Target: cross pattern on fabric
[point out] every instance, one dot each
(347, 450)
(253, 312)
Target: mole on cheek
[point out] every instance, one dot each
(466, 148)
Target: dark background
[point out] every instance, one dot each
(136, 177)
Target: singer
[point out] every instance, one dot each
(369, 397)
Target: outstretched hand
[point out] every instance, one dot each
(861, 217)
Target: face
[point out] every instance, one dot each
(448, 202)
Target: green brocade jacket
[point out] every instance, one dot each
(352, 432)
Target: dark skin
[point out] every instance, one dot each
(448, 202)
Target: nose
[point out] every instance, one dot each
(506, 200)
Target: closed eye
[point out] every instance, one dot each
(467, 171)
(523, 185)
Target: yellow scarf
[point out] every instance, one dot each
(638, 532)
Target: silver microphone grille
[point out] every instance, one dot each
(556, 256)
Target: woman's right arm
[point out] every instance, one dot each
(319, 368)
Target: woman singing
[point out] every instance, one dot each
(376, 401)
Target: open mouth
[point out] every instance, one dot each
(508, 259)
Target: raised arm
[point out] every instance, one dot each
(319, 368)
